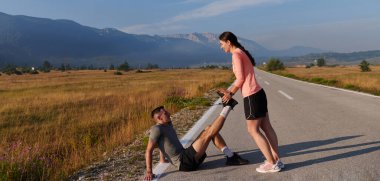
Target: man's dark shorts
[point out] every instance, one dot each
(187, 159)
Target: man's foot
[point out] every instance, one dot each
(232, 102)
(236, 160)
(280, 164)
(268, 168)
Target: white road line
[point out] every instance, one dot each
(267, 83)
(286, 95)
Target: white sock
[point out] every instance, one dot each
(227, 151)
(225, 111)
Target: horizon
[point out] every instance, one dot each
(339, 26)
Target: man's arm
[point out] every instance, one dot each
(148, 160)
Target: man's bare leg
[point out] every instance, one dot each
(200, 145)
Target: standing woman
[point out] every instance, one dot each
(255, 102)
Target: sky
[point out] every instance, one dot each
(332, 25)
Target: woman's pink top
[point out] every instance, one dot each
(244, 73)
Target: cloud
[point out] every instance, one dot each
(218, 8)
(215, 8)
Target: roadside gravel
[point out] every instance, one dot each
(128, 162)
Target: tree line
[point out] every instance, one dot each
(276, 64)
(46, 67)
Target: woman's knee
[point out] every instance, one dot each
(253, 130)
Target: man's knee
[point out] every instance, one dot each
(207, 133)
(207, 127)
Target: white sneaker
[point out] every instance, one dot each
(268, 168)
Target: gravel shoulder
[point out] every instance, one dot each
(128, 162)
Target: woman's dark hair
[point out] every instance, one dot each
(233, 39)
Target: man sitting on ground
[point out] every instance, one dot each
(164, 136)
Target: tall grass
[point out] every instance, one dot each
(349, 77)
(53, 124)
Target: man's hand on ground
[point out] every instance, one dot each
(149, 176)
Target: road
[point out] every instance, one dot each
(324, 134)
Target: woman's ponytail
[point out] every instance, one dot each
(233, 39)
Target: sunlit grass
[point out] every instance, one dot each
(349, 77)
(53, 124)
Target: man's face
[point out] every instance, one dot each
(163, 116)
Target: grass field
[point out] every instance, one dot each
(52, 124)
(348, 77)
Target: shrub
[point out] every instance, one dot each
(34, 72)
(351, 86)
(321, 62)
(291, 76)
(117, 73)
(364, 66)
(124, 66)
(275, 64)
(11, 69)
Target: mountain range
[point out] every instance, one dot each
(29, 41)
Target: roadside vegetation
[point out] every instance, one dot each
(55, 123)
(347, 77)
(363, 77)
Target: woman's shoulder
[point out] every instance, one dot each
(238, 54)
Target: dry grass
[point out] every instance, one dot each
(342, 76)
(53, 124)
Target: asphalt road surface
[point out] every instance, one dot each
(324, 134)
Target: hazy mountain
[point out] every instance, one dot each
(372, 56)
(30, 41)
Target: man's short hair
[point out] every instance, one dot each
(156, 110)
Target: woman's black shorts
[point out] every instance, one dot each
(255, 105)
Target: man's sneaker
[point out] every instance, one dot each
(236, 160)
(268, 168)
(278, 163)
(232, 102)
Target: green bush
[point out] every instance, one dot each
(291, 76)
(364, 66)
(275, 64)
(117, 73)
(351, 86)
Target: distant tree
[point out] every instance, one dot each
(68, 67)
(46, 66)
(151, 66)
(11, 69)
(321, 62)
(124, 66)
(364, 66)
(26, 69)
(274, 64)
(91, 67)
(83, 67)
(62, 68)
(112, 67)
